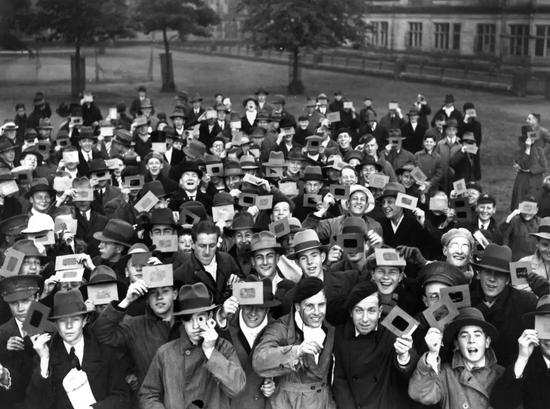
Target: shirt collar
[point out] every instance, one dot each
(78, 349)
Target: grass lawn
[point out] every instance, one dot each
(126, 68)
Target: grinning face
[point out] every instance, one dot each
(492, 283)
(390, 209)
(485, 211)
(406, 179)
(387, 278)
(41, 201)
(313, 310)
(543, 246)
(161, 300)
(348, 176)
(458, 252)
(265, 263)
(154, 166)
(358, 203)
(311, 263)
(189, 181)
(253, 315)
(472, 343)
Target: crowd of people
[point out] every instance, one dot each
(220, 256)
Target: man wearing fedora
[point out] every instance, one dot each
(394, 152)
(199, 367)
(241, 231)
(297, 349)
(195, 112)
(447, 148)
(86, 154)
(208, 265)
(162, 224)
(104, 192)
(40, 196)
(372, 365)
(16, 352)
(467, 381)
(413, 131)
(74, 349)
(525, 383)
(143, 334)
(265, 253)
(501, 304)
(114, 241)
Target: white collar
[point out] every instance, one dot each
(20, 327)
(251, 333)
(78, 349)
(395, 226)
(546, 361)
(310, 334)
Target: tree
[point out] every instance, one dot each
(82, 22)
(186, 17)
(15, 21)
(296, 24)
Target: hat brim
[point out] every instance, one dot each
(195, 310)
(267, 304)
(454, 326)
(72, 314)
(493, 268)
(323, 248)
(278, 250)
(541, 235)
(101, 237)
(20, 295)
(32, 191)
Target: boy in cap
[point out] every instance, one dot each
(197, 368)
(74, 352)
(467, 381)
(16, 352)
(372, 366)
(242, 326)
(297, 348)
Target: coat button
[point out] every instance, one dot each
(187, 352)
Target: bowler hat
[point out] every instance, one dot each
(68, 304)
(194, 298)
(40, 185)
(267, 289)
(264, 240)
(86, 132)
(449, 98)
(543, 231)
(190, 167)
(495, 258)
(162, 216)
(116, 231)
(98, 165)
(19, 287)
(469, 316)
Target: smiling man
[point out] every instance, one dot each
(501, 304)
(297, 349)
(458, 245)
(372, 366)
(473, 360)
(265, 253)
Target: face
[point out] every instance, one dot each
(545, 347)
(485, 211)
(303, 124)
(473, 196)
(250, 106)
(20, 111)
(413, 118)
(265, 262)
(439, 123)
(232, 182)
(218, 148)
(205, 247)
(159, 230)
(29, 161)
(429, 144)
(344, 140)
(531, 120)
(431, 293)
(406, 179)
(294, 166)
(193, 326)
(20, 308)
(161, 300)
(41, 201)
(154, 166)
(242, 239)
(185, 243)
(118, 166)
(133, 272)
(450, 131)
(253, 315)
(367, 170)
(8, 156)
(458, 252)
(109, 251)
(312, 310)
(30, 265)
(189, 181)
(358, 203)
(312, 187)
(70, 328)
(86, 144)
(348, 176)
(365, 314)
(178, 122)
(472, 343)
(387, 278)
(371, 147)
(390, 209)
(83, 207)
(311, 263)
(281, 211)
(492, 283)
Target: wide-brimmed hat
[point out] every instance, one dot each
(40, 185)
(162, 216)
(543, 307)
(258, 132)
(269, 299)
(6, 145)
(248, 162)
(38, 223)
(392, 189)
(195, 150)
(146, 103)
(178, 113)
(12, 226)
(45, 123)
(242, 221)
(9, 126)
(232, 168)
(276, 160)
(19, 287)
(313, 173)
(369, 161)
(140, 121)
(116, 231)
(295, 155)
(370, 198)
(495, 258)
(543, 231)
(395, 133)
(264, 240)
(306, 240)
(469, 316)
(68, 304)
(194, 298)
(123, 137)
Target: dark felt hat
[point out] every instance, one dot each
(19, 287)
(496, 258)
(40, 185)
(194, 298)
(441, 272)
(68, 304)
(359, 292)
(307, 287)
(117, 231)
(469, 316)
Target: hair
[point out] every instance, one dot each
(536, 116)
(19, 105)
(439, 117)
(206, 227)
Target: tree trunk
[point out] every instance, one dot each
(296, 86)
(78, 72)
(166, 66)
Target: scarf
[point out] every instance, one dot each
(310, 334)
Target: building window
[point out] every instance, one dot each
(379, 36)
(519, 40)
(415, 35)
(485, 41)
(542, 41)
(444, 38)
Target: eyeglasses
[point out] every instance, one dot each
(465, 248)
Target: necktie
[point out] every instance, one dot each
(74, 360)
